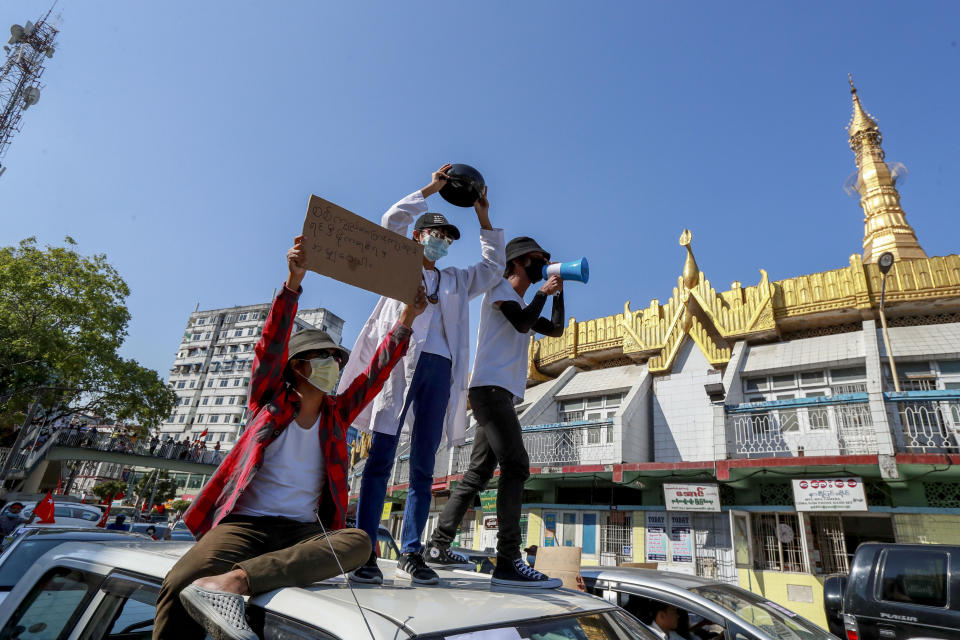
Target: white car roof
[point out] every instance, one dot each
(463, 600)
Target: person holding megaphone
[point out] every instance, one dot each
(500, 376)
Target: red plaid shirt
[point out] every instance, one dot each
(274, 404)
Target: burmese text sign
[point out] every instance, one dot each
(691, 497)
(829, 494)
(352, 249)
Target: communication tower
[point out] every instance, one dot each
(27, 50)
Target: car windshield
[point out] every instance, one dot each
(22, 558)
(772, 618)
(604, 625)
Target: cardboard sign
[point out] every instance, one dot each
(829, 494)
(560, 562)
(352, 249)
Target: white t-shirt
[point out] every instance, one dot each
(436, 340)
(501, 358)
(290, 479)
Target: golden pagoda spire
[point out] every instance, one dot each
(885, 224)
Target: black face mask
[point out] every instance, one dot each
(535, 270)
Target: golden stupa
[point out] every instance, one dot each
(919, 290)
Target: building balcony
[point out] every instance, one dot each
(926, 421)
(562, 444)
(789, 428)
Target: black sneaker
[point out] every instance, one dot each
(442, 556)
(412, 567)
(517, 573)
(368, 573)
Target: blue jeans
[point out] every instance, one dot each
(429, 394)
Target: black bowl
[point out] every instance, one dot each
(464, 187)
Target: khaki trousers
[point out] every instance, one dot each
(274, 552)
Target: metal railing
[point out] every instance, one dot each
(928, 426)
(29, 456)
(849, 387)
(836, 429)
(559, 445)
(402, 473)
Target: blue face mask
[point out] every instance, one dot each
(433, 248)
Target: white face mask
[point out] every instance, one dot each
(324, 373)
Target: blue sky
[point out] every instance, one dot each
(184, 139)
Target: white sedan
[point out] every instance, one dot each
(98, 590)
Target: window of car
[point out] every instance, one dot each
(86, 514)
(51, 609)
(126, 611)
(272, 626)
(775, 620)
(22, 558)
(915, 577)
(690, 626)
(603, 625)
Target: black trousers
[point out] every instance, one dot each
(497, 439)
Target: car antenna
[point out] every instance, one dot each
(344, 574)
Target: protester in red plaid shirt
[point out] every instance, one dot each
(273, 513)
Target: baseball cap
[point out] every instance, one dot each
(431, 220)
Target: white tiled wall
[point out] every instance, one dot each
(839, 350)
(942, 340)
(682, 413)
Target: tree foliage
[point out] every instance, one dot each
(180, 505)
(63, 318)
(106, 490)
(166, 487)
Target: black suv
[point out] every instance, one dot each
(896, 592)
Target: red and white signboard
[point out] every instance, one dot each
(829, 494)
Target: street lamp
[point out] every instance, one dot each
(886, 263)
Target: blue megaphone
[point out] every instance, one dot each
(577, 270)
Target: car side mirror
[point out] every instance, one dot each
(833, 589)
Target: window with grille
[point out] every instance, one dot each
(829, 542)
(776, 543)
(616, 537)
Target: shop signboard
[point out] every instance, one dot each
(692, 497)
(681, 537)
(488, 501)
(829, 494)
(656, 536)
(549, 529)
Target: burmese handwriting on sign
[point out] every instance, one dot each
(352, 249)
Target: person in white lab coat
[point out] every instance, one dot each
(432, 380)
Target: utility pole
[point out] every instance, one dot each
(885, 262)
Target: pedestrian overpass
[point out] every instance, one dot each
(39, 465)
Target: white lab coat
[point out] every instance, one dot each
(459, 286)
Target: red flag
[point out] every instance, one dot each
(106, 514)
(59, 482)
(203, 434)
(44, 509)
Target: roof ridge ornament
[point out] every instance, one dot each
(691, 272)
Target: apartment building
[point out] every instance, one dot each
(211, 370)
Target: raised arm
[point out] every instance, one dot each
(493, 259)
(391, 350)
(400, 215)
(270, 354)
(526, 318)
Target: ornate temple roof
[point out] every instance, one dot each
(924, 289)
